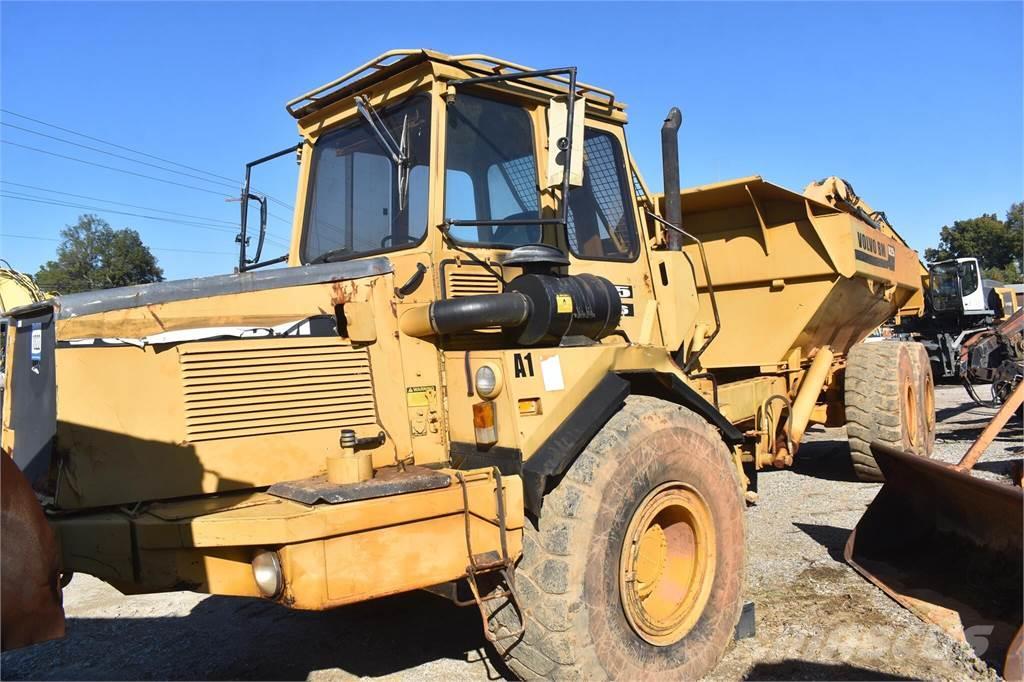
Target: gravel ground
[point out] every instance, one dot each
(816, 617)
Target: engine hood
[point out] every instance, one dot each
(107, 300)
(267, 302)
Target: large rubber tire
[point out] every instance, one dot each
(925, 380)
(569, 577)
(881, 403)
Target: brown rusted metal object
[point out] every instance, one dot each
(993, 428)
(387, 482)
(503, 565)
(994, 356)
(948, 546)
(30, 595)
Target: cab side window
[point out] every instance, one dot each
(601, 220)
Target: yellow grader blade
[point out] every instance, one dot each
(948, 546)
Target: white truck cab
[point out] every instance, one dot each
(956, 286)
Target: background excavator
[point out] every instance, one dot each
(957, 303)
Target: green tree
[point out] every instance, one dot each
(1015, 225)
(997, 244)
(1010, 274)
(93, 255)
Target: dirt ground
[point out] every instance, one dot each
(816, 618)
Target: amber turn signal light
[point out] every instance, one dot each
(485, 423)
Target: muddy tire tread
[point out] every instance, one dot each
(557, 639)
(872, 403)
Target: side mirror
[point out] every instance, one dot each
(559, 139)
(243, 260)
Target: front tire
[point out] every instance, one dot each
(637, 568)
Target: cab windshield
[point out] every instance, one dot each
(945, 286)
(355, 207)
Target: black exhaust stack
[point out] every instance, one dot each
(670, 170)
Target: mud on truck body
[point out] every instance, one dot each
(496, 366)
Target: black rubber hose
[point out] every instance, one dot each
(479, 312)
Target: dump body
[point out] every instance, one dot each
(790, 272)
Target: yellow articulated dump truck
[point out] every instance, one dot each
(495, 367)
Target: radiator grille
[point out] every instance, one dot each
(276, 386)
(470, 281)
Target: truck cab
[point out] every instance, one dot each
(484, 142)
(956, 287)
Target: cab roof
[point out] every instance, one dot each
(396, 61)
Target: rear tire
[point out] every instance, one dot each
(637, 568)
(882, 403)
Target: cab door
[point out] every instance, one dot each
(602, 234)
(971, 292)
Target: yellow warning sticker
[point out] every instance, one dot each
(419, 396)
(563, 303)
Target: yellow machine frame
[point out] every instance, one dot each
(167, 489)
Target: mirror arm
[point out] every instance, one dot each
(567, 168)
(272, 261)
(242, 238)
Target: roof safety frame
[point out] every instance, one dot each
(555, 80)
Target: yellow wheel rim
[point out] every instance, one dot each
(667, 564)
(910, 413)
(929, 404)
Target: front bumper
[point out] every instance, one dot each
(330, 554)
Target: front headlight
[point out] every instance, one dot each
(266, 570)
(488, 381)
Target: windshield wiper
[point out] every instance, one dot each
(399, 151)
(331, 256)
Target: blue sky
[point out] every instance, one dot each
(919, 105)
